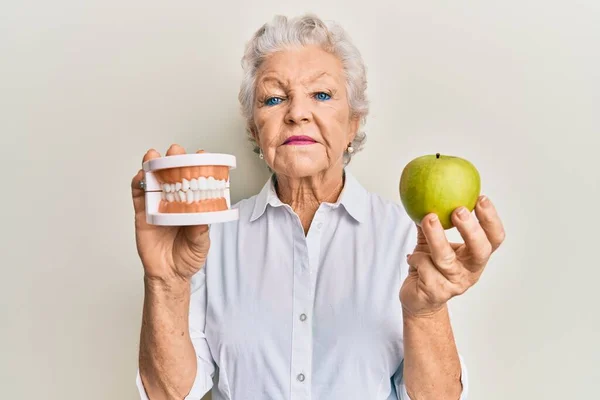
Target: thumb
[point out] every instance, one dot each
(197, 236)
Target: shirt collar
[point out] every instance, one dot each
(353, 197)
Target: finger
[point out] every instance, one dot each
(477, 244)
(432, 283)
(195, 233)
(175, 149)
(490, 222)
(422, 242)
(442, 254)
(200, 151)
(137, 193)
(150, 154)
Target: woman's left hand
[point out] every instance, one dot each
(440, 270)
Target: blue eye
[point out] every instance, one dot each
(322, 96)
(272, 101)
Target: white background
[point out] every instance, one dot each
(88, 86)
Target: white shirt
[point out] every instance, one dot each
(279, 315)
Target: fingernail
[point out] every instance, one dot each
(433, 220)
(483, 200)
(463, 214)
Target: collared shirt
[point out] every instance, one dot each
(279, 315)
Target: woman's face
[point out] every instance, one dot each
(302, 118)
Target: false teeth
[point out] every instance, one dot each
(195, 189)
(202, 184)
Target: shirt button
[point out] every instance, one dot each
(300, 377)
(319, 225)
(302, 317)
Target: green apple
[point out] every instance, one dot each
(438, 184)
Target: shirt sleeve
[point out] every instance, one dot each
(197, 319)
(398, 380)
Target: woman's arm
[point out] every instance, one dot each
(167, 360)
(431, 364)
(438, 271)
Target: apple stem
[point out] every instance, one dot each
(437, 155)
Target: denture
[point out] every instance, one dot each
(193, 189)
(189, 189)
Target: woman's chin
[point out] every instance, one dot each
(300, 167)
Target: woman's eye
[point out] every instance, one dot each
(322, 96)
(272, 101)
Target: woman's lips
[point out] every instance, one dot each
(299, 140)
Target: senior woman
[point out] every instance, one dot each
(310, 294)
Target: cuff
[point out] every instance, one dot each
(200, 387)
(464, 379)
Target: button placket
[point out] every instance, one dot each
(301, 360)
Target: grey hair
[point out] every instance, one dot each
(282, 33)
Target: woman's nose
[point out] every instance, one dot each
(299, 111)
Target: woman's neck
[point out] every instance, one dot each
(305, 195)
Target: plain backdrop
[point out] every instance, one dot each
(86, 87)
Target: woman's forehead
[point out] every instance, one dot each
(307, 65)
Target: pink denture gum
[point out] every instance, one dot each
(189, 189)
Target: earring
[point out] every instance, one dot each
(350, 149)
(260, 155)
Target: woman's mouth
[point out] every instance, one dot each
(299, 140)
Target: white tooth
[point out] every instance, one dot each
(211, 182)
(202, 194)
(222, 193)
(202, 184)
(194, 184)
(178, 186)
(216, 194)
(166, 187)
(185, 185)
(196, 195)
(170, 197)
(163, 196)
(181, 195)
(190, 196)
(172, 185)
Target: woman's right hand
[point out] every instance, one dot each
(168, 253)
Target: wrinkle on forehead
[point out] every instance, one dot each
(305, 65)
